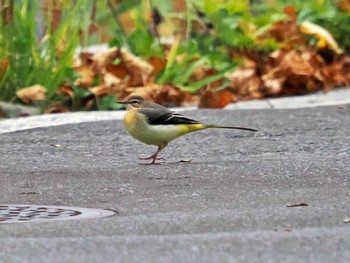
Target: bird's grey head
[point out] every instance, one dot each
(133, 102)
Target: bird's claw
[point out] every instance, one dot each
(149, 158)
(153, 162)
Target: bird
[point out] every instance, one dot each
(154, 124)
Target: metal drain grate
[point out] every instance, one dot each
(35, 213)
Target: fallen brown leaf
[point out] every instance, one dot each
(245, 82)
(56, 108)
(66, 89)
(202, 72)
(136, 65)
(111, 85)
(167, 95)
(219, 99)
(157, 63)
(337, 73)
(87, 76)
(298, 62)
(32, 93)
(104, 58)
(297, 72)
(171, 96)
(273, 85)
(86, 69)
(287, 31)
(131, 64)
(297, 204)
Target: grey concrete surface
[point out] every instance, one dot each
(228, 204)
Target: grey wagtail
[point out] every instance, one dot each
(154, 124)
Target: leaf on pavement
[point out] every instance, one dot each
(346, 220)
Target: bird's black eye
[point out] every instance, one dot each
(135, 103)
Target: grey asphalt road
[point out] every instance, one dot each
(228, 204)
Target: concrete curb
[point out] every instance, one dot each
(338, 97)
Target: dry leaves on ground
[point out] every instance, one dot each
(119, 73)
(296, 68)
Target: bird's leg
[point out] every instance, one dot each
(154, 156)
(150, 157)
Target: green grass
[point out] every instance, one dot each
(43, 60)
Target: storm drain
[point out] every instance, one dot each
(36, 213)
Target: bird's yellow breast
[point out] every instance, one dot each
(130, 119)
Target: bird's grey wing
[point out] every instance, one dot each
(157, 117)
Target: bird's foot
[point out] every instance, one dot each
(149, 158)
(153, 162)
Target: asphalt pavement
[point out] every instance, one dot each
(228, 202)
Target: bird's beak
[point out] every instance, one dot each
(123, 102)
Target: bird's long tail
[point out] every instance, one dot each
(229, 127)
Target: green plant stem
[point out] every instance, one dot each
(120, 27)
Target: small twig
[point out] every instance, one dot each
(188, 24)
(155, 23)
